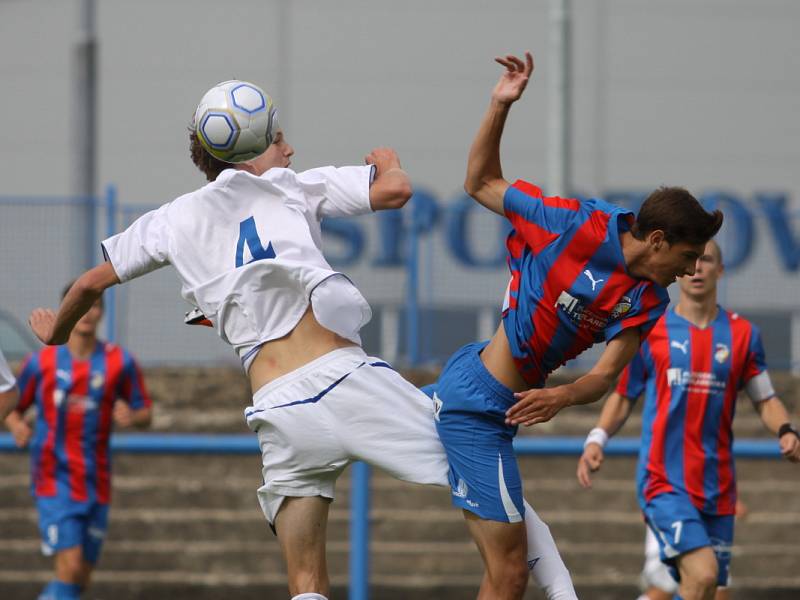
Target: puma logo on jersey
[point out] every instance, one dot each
(684, 347)
(437, 406)
(594, 281)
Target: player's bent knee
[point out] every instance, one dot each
(71, 566)
(705, 581)
(510, 577)
(708, 580)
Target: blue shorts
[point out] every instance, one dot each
(679, 528)
(469, 408)
(64, 524)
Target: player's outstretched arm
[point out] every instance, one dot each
(484, 180)
(615, 412)
(774, 415)
(541, 405)
(54, 329)
(391, 187)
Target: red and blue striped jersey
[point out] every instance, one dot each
(74, 399)
(691, 377)
(569, 286)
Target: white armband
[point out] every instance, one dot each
(759, 388)
(597, 436)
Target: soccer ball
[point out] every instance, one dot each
(235, 121)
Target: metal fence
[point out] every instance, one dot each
(360, 492)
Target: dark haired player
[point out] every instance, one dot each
(581, 273)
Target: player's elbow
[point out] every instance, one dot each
(400, 193)
(8, 401)
(95, 281)
(487, 190)
(391, 193)
(85, 286)
(473, 185)
(143, 418)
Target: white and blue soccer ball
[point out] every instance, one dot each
(235, 121)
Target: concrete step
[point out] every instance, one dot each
(146, 585)
(205, 470)
(386, 558)
(429, 525)
(543, 493)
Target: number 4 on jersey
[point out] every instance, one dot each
(248, 234)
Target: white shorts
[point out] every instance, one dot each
(342, 407)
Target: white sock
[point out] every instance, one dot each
(544, 562)
(643, 597)
(309, 596)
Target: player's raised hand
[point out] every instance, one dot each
(588, 463)
(790, 447)
(383, 158)
(537, 406)
(513, 81)
(42, 321)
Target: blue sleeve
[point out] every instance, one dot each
(132, 388)
(537, 218)
(756, 362)
(633, 378)
(641, 308)
(27, 381)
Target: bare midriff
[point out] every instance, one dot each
(498, 360)
(306, 342)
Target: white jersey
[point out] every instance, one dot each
(248, 251)
(7, 380)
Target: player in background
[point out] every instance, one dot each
(691, 367)
(247, 248)
(581, 273)
(8, 388)
(78, 389)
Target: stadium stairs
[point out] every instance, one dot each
(189, 527)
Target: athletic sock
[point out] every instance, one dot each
(544, 562)
(59, 590)
(309, 596)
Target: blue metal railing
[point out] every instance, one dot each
(143, 443)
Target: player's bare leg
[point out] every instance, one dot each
(71, 568)
(503, 547)
(698, 569)
(301, 524)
